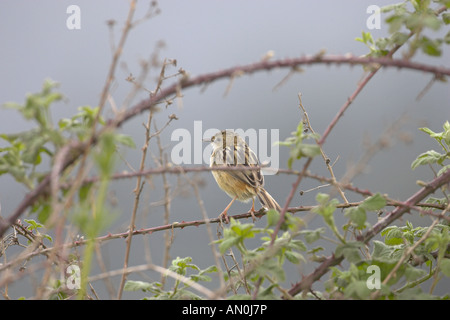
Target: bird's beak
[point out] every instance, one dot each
(206, 140)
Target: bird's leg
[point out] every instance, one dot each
(224, 212)
(252, 210)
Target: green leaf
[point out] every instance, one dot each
(393, 235)
(33, 224)
(397, 7)
(412, 274)
(350, 251)
(34, 147)
(414, 293)
(381, 251)
(326, 208)
(357, 215)
(200, 277)
(243, 230)
(308, 150)
(179, 265)
(298, 245)
(395, 22)
(446, 17)
(105, 154)
(227, 243)
(272, 217)
(92, 224)
(382, 43)
(48, 237)
(430, 132)
(298, 148)
(446, 133)
(322, 198)
(269, 267)
(445, 267)
(431, 47)
(294, 257)
(366, 38)
(432, 21)
(443, 170)
(373, 203)
(240, 297)
(125, 140)
(44, 211)
(268, 294)
(84, 191)
(358, 290)
(312, 235)
(399, 38)
(131, 285)
(428, 158)
(447, 38)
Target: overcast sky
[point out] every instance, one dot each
(206, 36)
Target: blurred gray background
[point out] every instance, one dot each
(206, 36)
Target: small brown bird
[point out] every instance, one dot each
(231, 150)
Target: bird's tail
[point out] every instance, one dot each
(267, 201)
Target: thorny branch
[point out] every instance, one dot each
(332, 260)
(75, 150)
(78, 148)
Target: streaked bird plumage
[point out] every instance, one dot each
(231, 150)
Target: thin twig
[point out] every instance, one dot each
(215, 253)
(324, 156)
(164, 271)
(167, 200)
(431, 187)
(137, 191)
(79, 148)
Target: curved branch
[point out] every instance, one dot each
(78, 147)
(283, 63)
(323, 268)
